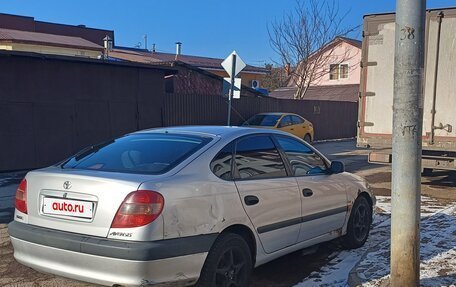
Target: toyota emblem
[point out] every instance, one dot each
(67, 185)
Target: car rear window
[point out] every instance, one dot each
(263, 120)
(138, 153)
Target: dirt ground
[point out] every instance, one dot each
(285, 271)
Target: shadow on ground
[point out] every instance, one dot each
(440, 178)
(292, 268)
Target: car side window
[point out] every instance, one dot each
(303, 160)
(257, 157)
(221, 164)
(297, 120)
(286, 121)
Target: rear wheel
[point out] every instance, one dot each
(229, 263)
(307, 138)
(427, 171)
(358, 224)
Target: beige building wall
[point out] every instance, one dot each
(43, 49)
(344, 53)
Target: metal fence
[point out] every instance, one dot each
(331, 120)
(50, 107)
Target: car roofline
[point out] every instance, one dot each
(167, 131)
(223, 131)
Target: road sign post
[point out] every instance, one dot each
(230, 97)
(233, 64)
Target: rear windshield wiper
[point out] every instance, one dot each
(91, 149)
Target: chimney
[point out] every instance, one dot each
(107, 43)
(153, 48)
(178, 48)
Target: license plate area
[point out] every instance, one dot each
(68, 208)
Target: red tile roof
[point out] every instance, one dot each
(25, 23)
(133, 55)
(205, 63)
(27, 37)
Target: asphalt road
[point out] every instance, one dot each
(285, 271)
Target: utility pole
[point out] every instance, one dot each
(407, 132)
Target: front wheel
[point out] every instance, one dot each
(229, 263)
(358, 224)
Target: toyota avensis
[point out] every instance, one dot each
(190, 205)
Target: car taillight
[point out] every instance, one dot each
(21, 197)
(139, 208)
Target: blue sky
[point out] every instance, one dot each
(210, 28)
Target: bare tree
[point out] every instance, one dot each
(306, 41)
(275, 79)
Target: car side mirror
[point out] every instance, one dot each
(337, 167)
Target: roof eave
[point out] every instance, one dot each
(222, 70)
(13, 41)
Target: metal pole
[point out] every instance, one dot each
(231, 94)
(407, 131)
(436, 73)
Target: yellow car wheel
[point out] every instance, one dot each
(307, 138)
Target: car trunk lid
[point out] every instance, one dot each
(79, 201)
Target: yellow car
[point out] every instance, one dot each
(291, 123)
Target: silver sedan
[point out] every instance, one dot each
(185, 205)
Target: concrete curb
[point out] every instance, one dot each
(334, 140)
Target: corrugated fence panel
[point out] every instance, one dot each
(331, 119)
(51, 108)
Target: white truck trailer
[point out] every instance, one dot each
(439, 90)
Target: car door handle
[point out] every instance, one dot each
(307, 192)
(251, 200)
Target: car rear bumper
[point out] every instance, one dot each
(109, 262)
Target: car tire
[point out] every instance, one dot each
(307, 138)
(426, 172)
(359, 224)
(229, 262)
